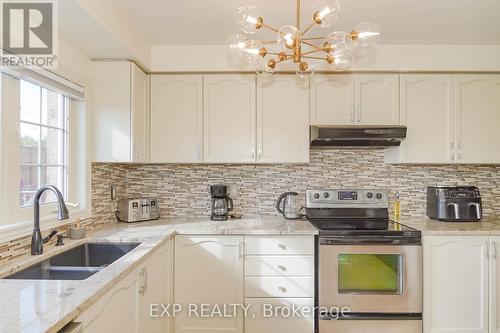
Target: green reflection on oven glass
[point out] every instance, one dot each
(369, 273)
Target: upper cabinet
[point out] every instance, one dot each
(450, 119)
(229, 118)
(427, 112)
(176, 118)
(121, 112)
(282, 119)
(478, 118)
(345, 99)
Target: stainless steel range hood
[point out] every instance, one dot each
(357, 136)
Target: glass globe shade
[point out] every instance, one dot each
(287, 36)
(251, 51)
(342, 60)
(339, 41)
(367, 33)
(326, 12)
(262, 69)
(305, 70)
(236, 43)
(247, 18)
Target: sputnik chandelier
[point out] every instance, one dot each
(293, 44)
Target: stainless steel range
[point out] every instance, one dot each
(365, 262)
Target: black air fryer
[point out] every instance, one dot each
(454, 203)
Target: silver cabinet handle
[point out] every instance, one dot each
(282, 246)
(487, 254)
(353, 113)
(359, 113)
(282, 268)
(452, 150)
(259, 151)
(253, 153)
(282, 289)
(240, 249)
(459, 151)
(494, 249)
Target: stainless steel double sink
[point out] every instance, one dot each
(77, 263)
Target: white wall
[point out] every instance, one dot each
(379, 58)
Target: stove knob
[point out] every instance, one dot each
(316, 195)
(379, 196)
(369, 195)
(326, 195)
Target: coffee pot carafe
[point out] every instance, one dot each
(289, 206)
(221, 203)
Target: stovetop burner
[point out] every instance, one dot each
(361, 227)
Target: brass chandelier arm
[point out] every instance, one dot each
(313, 46)
(310, 52)
(308, 28)
(317, 58)
(315, 38)
(270, 27)
(277, 54)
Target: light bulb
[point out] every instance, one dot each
(288, 36)
(262, 67)
(248, 18)
(342, 59)
(339, 41)
(366, 33)
(304, 70)
(252, 51)
(236, 43)
(326, 12)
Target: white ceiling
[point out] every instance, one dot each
(205, 22)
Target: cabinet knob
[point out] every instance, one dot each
(282, 289)
(282, 246)
(282, 268)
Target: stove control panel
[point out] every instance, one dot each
(326, 198)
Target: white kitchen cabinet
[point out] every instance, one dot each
(117, 310)
(120, 92)
(157, 289)
(427, 112)
(345, 99)
(332, 100)
(271, 315)
(376, 97)
(208, 270)
(477, 101)
(282, 119)
(456, 284)
(176, 118)
(229, 118)
(494, 285)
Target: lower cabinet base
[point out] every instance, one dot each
(372, 326)
(276, 315)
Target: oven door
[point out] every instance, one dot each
(371, 278)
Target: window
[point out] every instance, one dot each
(44, 142)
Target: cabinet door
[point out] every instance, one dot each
(282, 119)
(117, 310)
(111, 91)
(140, 115)
(427, 112)
(377, 99)
(478, 118)
(229, 118)
(208, 270)
(176, 118)
(156, 291)
(495, 285)
(332, 100)
(456, 284)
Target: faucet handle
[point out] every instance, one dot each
(60, 239)
(47, 239)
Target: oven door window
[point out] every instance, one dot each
(370, 274)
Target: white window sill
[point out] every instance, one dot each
(25, 229)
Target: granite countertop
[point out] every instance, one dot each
(487, 227)
(48, 305)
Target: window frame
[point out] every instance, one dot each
(15, 220)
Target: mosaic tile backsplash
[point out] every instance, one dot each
(184, 189)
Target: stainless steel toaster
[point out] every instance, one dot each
(137, 210)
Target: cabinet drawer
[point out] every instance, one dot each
(281, 245)
(282, 318)
(279, 265)
(279, 287)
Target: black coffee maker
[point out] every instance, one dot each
(221, 203)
